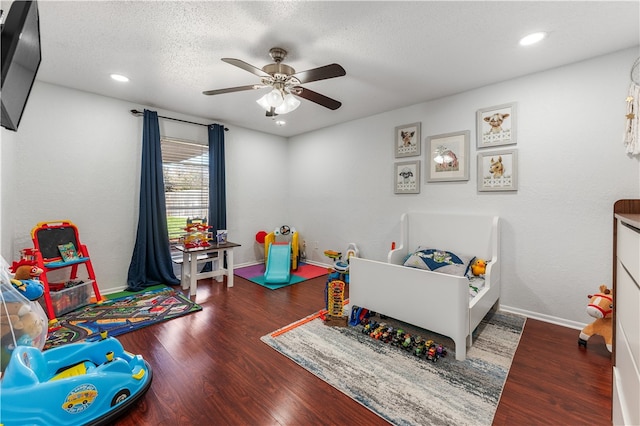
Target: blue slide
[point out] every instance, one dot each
(278, 264)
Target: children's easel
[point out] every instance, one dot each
(48, 238)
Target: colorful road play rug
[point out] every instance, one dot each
(121, 313)
(399, 386)
(255, 274)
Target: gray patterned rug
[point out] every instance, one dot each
(397, 385)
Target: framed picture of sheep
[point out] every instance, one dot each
(498, 170)
(407, 140)
(407, 177)
(448, 157)
(496, 125)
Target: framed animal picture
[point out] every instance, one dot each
(498, 170)
(448, 157)
(407, 177)
(407, 140)
(496, 125)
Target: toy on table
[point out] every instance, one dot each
(197, 235)
(478, 267)
(26, 280)
(601, 308)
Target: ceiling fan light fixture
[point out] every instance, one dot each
(290, 103)
(273, 99)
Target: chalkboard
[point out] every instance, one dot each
(50, 238)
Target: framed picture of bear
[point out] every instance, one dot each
(496, 125)
(407, 140)
(407, 177)
(448, 157)
(498, 170)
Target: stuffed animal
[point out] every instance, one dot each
(29, 329)
(601, 308)
(26, 279)
(479, 267)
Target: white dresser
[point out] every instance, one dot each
(626, 370)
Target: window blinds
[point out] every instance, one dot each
(185, 166)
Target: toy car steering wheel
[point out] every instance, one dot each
(284, 230)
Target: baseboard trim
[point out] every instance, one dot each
(542, 317)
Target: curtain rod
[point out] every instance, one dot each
(139, 113)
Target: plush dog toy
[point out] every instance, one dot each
(601, 308)
(26, 279)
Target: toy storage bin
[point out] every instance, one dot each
(70, 298)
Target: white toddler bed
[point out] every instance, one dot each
(432, 300)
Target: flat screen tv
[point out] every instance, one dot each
(21, 58)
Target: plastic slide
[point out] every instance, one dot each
(278, 269)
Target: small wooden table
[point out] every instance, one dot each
(214, 254)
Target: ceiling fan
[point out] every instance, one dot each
(285, 83)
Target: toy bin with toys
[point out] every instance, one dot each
(69, 296)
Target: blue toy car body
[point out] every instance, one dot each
(76, 384)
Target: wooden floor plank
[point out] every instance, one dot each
(210, 368)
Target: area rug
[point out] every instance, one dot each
(397, 385)
(121, 313)
(255, 274)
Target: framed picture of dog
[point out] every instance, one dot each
(496, 125)
(498, 170)
(407, 177)
(407, 140)
(448, 157)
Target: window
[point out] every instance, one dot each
(185, 167)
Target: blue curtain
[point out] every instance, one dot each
(151, 259)
(217, 185)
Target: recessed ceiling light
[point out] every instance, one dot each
(118, 77)
(532, 38)
(280, 122)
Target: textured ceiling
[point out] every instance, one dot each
(395, 53)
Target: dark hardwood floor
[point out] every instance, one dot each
(210, 368)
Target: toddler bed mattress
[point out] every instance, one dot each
(446, 262)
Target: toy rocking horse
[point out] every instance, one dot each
(601, 308)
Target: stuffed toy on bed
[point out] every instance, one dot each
(601, 308)
(478, 267)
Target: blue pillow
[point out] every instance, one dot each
(442, 261)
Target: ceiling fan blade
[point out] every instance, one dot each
(245, 66)
(316, 97)
(320, 73)
(233, 89)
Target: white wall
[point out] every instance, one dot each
(556, 230)
(77, 156)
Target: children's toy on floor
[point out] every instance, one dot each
(22, 322)
(335, 304)
(281, 252)
(75, 384)
(340, 268)
(600, 307)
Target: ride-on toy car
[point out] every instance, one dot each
(85, 383)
